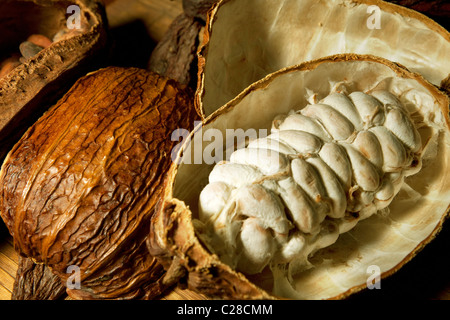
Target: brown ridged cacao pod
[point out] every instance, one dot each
(80, 186)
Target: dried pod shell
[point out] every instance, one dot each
(175, 55)
(242, 45)
(30, 88)
(435, 9)
(179, 241)
(79, 187)
(36, 282)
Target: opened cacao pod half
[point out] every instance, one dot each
(242, 45)
(45, 47)
(78, 189)
(306, 180)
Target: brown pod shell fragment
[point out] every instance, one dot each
(45, 75)
(36, 282)
(80, 186)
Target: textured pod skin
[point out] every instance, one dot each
(198, 8)
(174, 56)
(80, 186)
(256, 49)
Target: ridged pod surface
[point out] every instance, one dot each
(80, 186)
(28, 90)
(344, 154)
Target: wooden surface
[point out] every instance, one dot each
(8, 267)
(136, 26)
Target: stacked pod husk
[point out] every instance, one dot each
(389, 241)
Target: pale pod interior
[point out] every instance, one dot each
(310, 177)
(247, 44)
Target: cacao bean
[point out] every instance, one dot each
(344, 105)
(40, 40)
(369, 108)
(246, 51)
(29, 49)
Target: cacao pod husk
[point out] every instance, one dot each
(242, 45)
(36, 282)
(80, 186)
